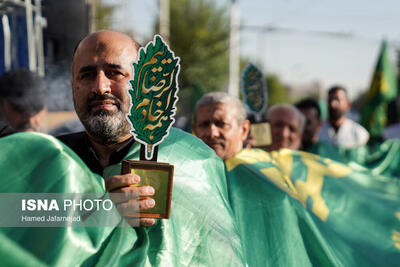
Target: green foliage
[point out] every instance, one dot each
(153, 93)
(277, 93)
(199, 35)
(104, 13)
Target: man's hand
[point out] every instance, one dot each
(130, 198)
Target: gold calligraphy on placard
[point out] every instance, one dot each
(153, 108)
(153, 94)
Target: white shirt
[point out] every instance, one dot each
(349, 134)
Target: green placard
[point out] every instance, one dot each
(153, 94)
(254, 89)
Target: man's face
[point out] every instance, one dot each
(218, 127)
(312, 126)
(338, 104)
(101, 72)
(285, 129)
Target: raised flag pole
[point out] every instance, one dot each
(234, 50)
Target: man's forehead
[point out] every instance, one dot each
(222, 108)
(107, 42)
(309, 112)
(104, 55)
(285, 116)
(214, 111)
(102, 49)
(338, 94)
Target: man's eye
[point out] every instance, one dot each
(219, 124)
(204, 124)
(222, 125)
(87, 75)
(293, 129)
(113, 73)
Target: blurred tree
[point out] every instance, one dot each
(277, 93)
(199, 35)
(104, 14)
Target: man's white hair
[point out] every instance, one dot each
(223, 98)
(300, 116)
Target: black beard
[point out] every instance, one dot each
(334, 115)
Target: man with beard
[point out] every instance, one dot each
(340, 130)
(287, 124)
(100, 75)
(311, 110)
(220, 121)
(101, 70)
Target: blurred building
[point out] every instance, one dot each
(41, 35)
(35, 32)
(21, 39)
(67, 23)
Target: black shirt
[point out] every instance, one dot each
(81, 145)
(5, 129)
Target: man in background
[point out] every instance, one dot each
(287, 124)
(340, 130)
(220, 121)
(22, 99)
(312, 112)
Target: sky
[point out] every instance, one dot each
(329, 42)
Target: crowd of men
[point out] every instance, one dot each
(220, 122)
(102, 68)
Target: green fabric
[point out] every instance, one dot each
(383, 89)
(201, 231)
(381, 160)
(35, 163)
(297, 209)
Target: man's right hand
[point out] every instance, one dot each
(131, 198)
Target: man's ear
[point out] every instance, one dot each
(245, 126)
(36, 121)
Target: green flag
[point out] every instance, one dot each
(298, 209)
(383, 89)
(381, 159)
(200, 232)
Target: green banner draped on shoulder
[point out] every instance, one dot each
(201, 231)
(298, 209)
(36, 163)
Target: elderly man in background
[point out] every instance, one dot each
(287, 124)
(220, 121)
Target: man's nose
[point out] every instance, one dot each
(102, 84)
(333, 103)
(214, 131)
(285, 131)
